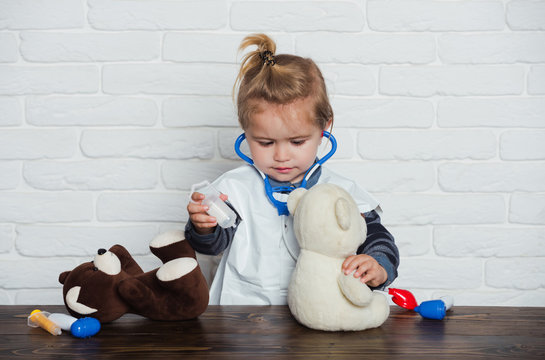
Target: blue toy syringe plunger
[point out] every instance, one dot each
(435, 309)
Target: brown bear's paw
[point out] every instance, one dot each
(171, 245)
(176, 269)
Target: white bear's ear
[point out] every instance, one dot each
(293, 199)
(342, 212)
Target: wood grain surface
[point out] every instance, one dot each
(270, 332)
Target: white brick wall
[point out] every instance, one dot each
(110, 110)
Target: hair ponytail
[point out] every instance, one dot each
(279, 79)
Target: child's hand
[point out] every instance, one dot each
(366, 268)
(204, 223)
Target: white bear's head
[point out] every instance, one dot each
(327, 220)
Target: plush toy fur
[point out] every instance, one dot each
(114, 284)
(329, 228)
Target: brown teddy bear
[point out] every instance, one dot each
(113, 283)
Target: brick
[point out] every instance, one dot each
(180, 175)
(522, 145)
(216, 47)
(426, 145)
(368, 48)
(6, 238)
(42, 14)
(385, 177)
(525, 274)
(487, 241)
(45, 296)
(492, 177)
(91, 175)
(14, 274)
(226, 141)
(8, 48)
(191, 47)
(11, 175)
(142, 207)
(500, 48)
(504, 112)
(431, 15)
(441, 209)
(89, 47)
(434, 273)
(68, 79)
(199, 111)
(349, 79)
(527, 208)
(45, 207)
(157, 15)
(536, 80)
(296, 16)
(412, 240)
(4, 298)
(11, 111)
(169, 79)
(383, 113)
(455, 80)
(526, 15)
(148, 144)
(495, 297)
(80, 241)
(91, 111)
(346, 148)
(42, 144)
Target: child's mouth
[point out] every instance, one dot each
(283, 170)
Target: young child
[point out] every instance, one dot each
(283, 109)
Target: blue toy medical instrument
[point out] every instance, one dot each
(282, 206)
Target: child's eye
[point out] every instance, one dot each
(298, 142)
(265, 143)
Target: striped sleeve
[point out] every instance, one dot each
(380, 245)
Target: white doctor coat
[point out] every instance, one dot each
(256, 267)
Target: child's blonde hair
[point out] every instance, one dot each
(279, 79)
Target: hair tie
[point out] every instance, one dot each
(267, 57)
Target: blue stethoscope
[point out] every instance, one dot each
(282, 206)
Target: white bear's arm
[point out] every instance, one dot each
(354, 290)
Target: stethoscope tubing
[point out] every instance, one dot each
(281, 206)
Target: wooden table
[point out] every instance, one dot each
(269, 332)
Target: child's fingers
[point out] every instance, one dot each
(349, 264)
(362, 269)
(197, 196)
(194, 208)
(223, 197)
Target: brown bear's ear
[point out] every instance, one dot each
(63, 276)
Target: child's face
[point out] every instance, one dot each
(284, 139)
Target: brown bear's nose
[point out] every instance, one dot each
(101, 251)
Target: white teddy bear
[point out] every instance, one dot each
(328, 227)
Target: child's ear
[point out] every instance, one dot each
(293, 199)
(328, 125)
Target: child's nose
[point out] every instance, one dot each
(281, 153)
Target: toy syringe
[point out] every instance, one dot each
(53, 323)
(41, 319)
(431, 309)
